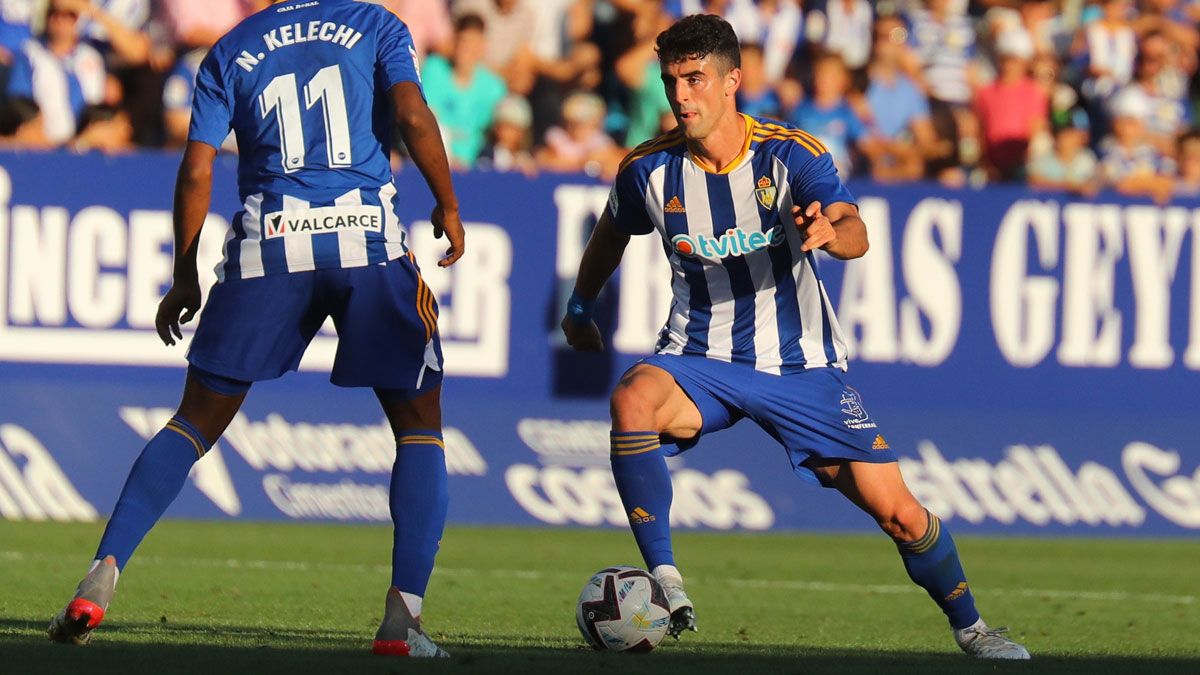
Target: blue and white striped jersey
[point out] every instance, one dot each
(743, 290)
(303, 85)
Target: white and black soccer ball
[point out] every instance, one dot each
(623, 609)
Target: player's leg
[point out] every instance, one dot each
(925, 545)
(418, 499)
(386, 318)
(648, 403)
(158, 475)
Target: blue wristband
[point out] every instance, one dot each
(580, 310)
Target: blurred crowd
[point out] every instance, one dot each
(1075, 95)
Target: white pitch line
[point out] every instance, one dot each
(767, 584)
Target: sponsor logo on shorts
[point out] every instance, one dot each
(880, 444)
(856, 415)
(639, 516)
(322, 219)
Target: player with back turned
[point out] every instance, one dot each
(743, 205)
(312, 89)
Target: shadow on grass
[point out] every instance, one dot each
(183, 648)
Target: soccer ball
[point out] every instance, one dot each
(623, 609)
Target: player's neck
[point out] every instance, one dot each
(716, 151)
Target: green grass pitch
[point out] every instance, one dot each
(263, 598)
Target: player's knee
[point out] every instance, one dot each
(905, 521)
(633, 402)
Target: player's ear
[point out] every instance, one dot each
(733, 80)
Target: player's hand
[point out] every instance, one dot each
(446, 221)
(179, 306)
(816, 229)
(583, 337)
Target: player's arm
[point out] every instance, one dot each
(836, 229)
(193, 195)
(825, 211)
(419, 129)
(600, 259)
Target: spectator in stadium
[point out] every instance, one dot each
(755, 95)
(1130, 164)
(943, 43)
(843, 27)
(16, 17)
(510, 138)
(429, 23)
(564, 59)
(779, 29)
(21, 125)
(581, 144)
(1069, 166)
(462, 91)
(113, 27)
(1169, 115)
(510, 25)
(105, 129)
(1110, 46)
(638, 70)
(58, 71)
(199, 24)
(1013, 109)
(1170, 19)
(1188, 184)
(177, 97)
(827, 113)
(901, 135)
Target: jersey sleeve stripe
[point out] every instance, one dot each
(663, 142)
(795, 139)
(812, 140)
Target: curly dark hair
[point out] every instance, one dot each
(698, 36)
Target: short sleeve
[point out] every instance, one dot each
(20, 80)
(212, 108)
(396, 54)
(627, 203)
(817, 181)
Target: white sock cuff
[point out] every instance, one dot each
(413, 603)
(667, 573)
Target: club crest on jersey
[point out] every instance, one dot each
(765, 192)
(735, 242)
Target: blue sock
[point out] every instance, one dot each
(640, 470)
(419, 499)
(153, 483)
(932, 563)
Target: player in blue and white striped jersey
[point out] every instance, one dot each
(742, 206)
(310, 89)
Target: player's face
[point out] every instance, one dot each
(700, 94)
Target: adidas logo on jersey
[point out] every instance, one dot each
(639, 516)
(675, 206)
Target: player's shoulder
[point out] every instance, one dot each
(786, 141)
(653, 153)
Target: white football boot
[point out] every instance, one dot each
(400, 632)
(683, 615)
(989, 643)
(75, 623)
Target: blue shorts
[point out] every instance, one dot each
(386, 319)
(813, 414)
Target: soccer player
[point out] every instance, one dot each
(743, 205)
(311, 91)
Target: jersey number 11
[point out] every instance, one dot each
(282, 96)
